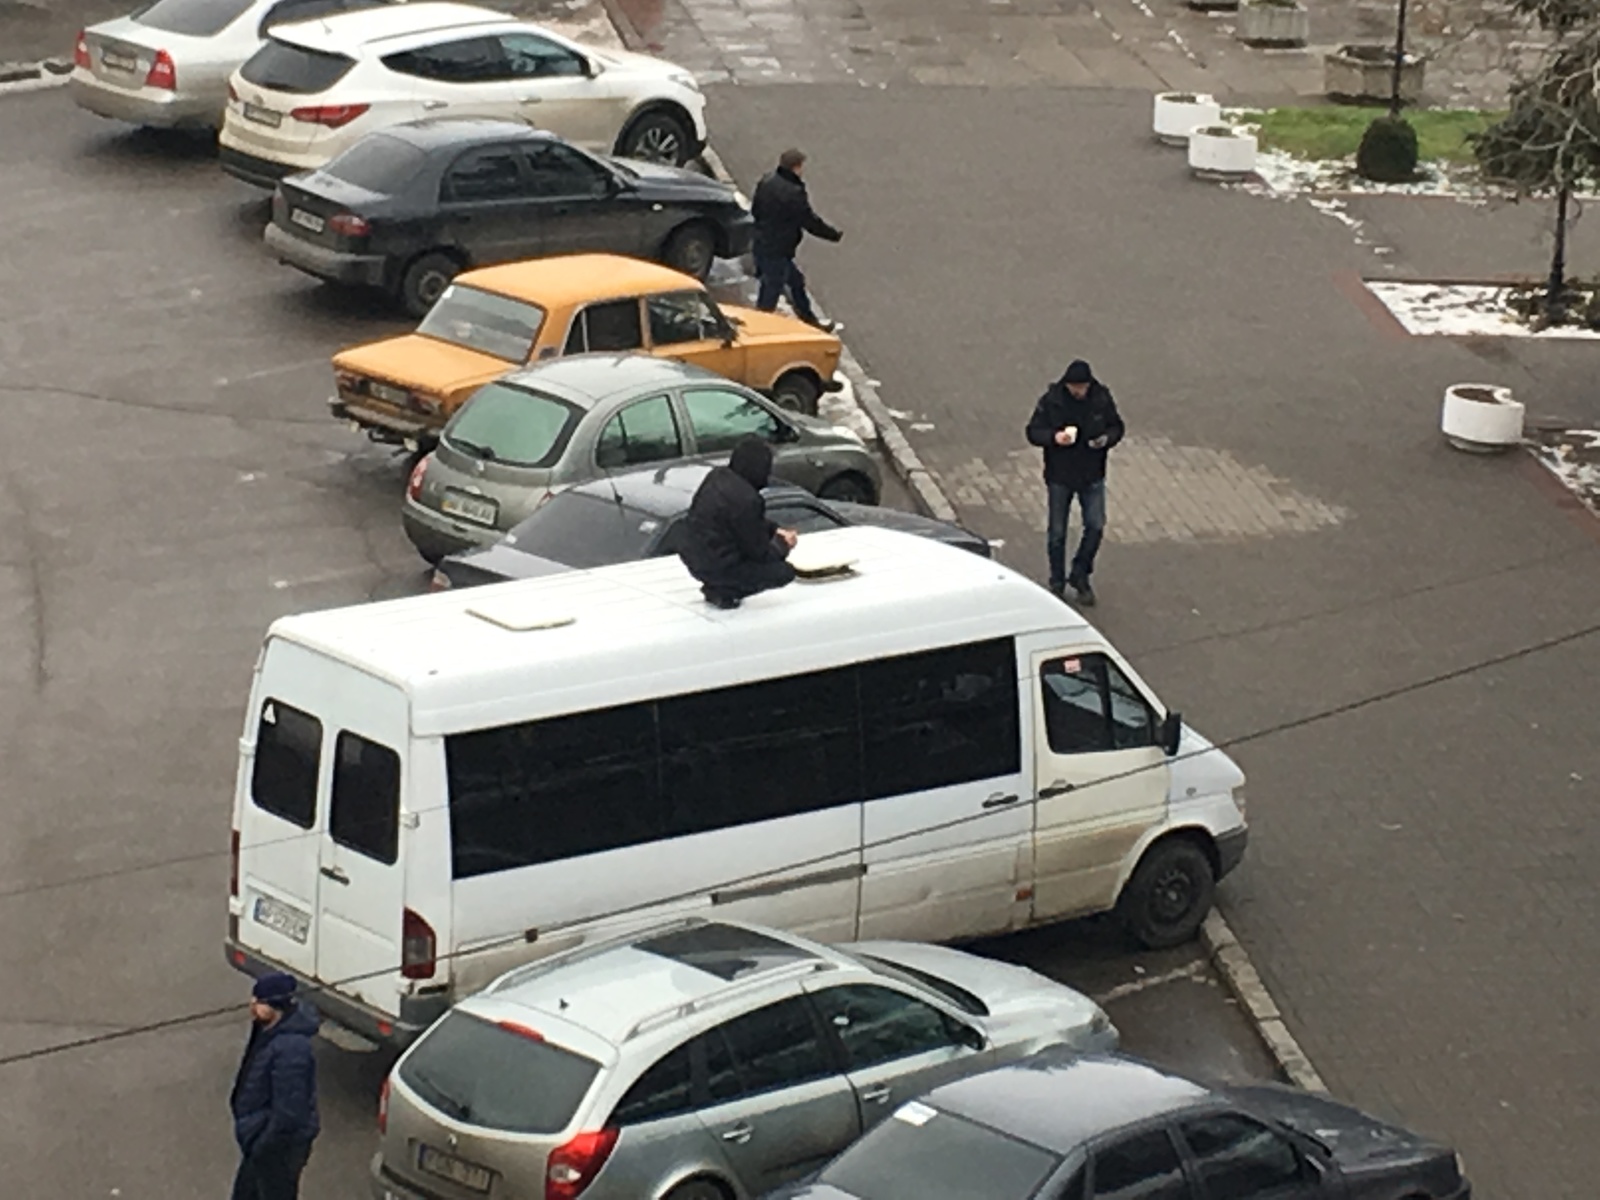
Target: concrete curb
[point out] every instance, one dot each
(1239, 973)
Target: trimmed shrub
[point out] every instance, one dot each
(1388, 151)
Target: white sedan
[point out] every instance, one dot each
(167, 65)
(316, 88)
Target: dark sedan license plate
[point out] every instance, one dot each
(307, 220)
(262, 116)
(119, 62)
(472, 508)
(456, 1170)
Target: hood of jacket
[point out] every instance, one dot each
(751, 461)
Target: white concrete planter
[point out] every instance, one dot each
(1481, 418)
(1177, 113)
(1221, 152)
(1367, 73)
(1268, 24)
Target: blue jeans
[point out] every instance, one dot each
(774, 274)
(1092, 502)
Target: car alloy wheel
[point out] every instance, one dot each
(657, 137)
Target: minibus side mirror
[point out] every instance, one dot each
(1171, 732)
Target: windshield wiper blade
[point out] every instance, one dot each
(474, 449)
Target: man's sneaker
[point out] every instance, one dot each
(1058, 590)
(721, 599)
(825, 326)
(1084, 591)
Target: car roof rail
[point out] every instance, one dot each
(732, 991)
(587, 950)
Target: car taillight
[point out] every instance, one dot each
(418, 473)
(233, 874)
(573, 1166)
(80, 50)
(383, 1106)
(233, 94)
(418, 947)
(332, 115)
(349, 225)
(163, 72)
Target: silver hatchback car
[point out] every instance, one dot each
(698, 1060)
(570, 420)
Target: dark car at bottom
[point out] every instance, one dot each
(407, 208)
(1061, 1126)
(638, 514)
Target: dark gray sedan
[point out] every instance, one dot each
(639, 514)
(567, 421)
(1061, 1126)
(405, 209)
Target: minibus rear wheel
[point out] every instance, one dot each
(1169, 894)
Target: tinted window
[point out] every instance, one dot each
(479, 320)
(729, 952)
(940, 718)
(663, 1091)
(496, 1078)
(611, 326)
(923, 1154)
(195, 18)
(527, 56)
(280, 67)
(878, 1024)
(553, 789)
(1142, 1167)
(556, 170)
(720, 418)
(1239, 1158)
(644, 432)
(492, 173)
(776, 1047)
(1090, 706)
(959, 996)
(378, 163)
(470, 60)
(681, 317)
(760, 751)
(509, 425)
(364, 812)
(583, 530)
(801, 517)
(283, 779)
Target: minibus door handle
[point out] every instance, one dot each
(1058, 788)
(335, 874)
(999, 800)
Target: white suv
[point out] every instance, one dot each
(316, 87)
(698, 1060)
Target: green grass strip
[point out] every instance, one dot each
(1334, 131)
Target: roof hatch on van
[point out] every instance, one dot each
(520, 615)
(816, 567)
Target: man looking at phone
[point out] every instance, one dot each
(1075, 423)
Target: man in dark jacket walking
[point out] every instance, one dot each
(1075, 423)
(783, 215)
(729, 545)
(274, 1098)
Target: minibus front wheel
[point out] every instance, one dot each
(1169, 894)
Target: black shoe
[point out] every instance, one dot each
(825, 326)
(724, 600)
(1084, 591)
(1058, 590)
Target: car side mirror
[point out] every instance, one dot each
(590, 67)
(1171, 733)
(782, 433)
(965, 1035)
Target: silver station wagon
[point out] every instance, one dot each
(698, 1060)
(574, 419)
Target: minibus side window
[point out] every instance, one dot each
(1090, 707)
(283, 779)
(364, 814)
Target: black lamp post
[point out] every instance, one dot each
(1399, 61)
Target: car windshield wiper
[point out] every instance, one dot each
(474, 449)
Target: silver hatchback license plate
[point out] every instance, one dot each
(307, 220)
(472, 508)
(262, 116)
(448, 1166)
(119, 62)
(282, 918)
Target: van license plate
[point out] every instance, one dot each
(282, 918)
(473, 508)
(306, 220)
(262, 116)
(448, 1166)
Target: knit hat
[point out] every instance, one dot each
(1078, 372)
(276, 989)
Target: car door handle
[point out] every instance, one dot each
(335, 874)
(1057, 788)
(999, 800)
(433, 104)
(739, 1134)
(877, 1095)
(530, 99)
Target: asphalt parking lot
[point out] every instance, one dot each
(172, 483)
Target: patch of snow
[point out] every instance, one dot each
(1462, 310)
(1573, 457)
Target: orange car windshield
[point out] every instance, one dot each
(483, 321)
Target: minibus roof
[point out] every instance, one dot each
(486, 656)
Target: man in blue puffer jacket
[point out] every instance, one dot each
(274, 1098)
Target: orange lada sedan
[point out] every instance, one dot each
(492, 320)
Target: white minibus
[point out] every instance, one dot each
(925, 746)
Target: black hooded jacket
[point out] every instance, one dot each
(727, 521)
(1077, 465)
(783, 215)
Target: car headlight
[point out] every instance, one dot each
(1239, 803)
(685, 79)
